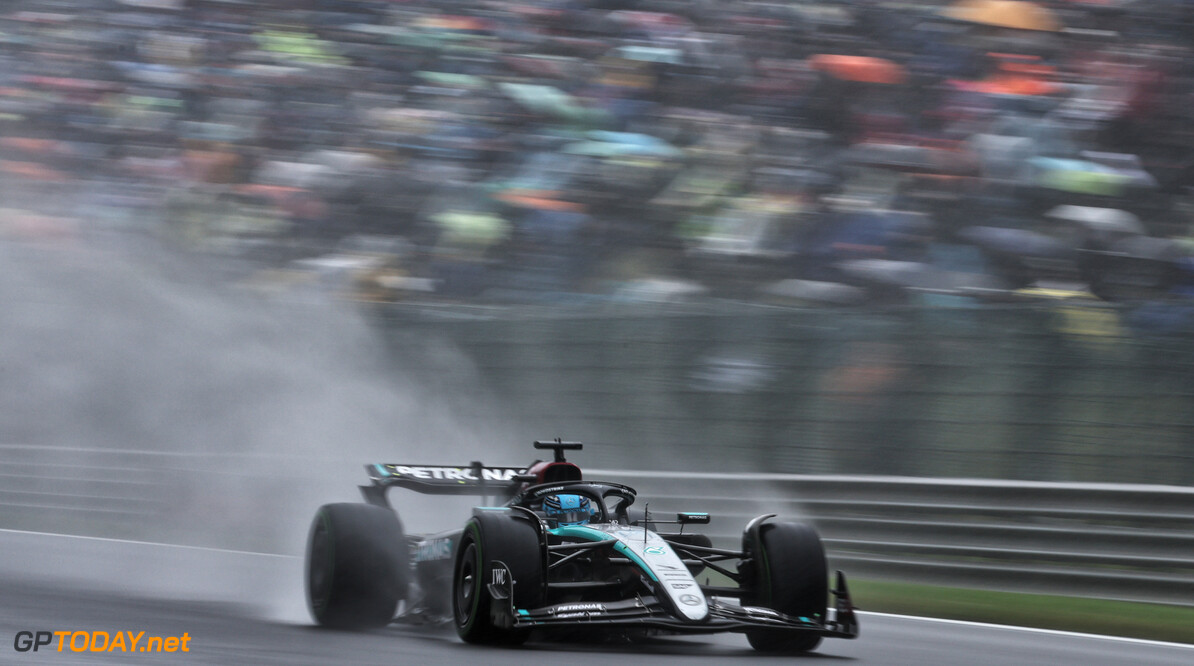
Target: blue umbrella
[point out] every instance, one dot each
(1014, 241)
(610, 144)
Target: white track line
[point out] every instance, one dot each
(148, 543)
(1035, 630)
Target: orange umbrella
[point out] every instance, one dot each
(1016, 14)
(858, 68)
(28, 145)
(1017, 75)
(32, 170)
(538, 200)
(445, 22)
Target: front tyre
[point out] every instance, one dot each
(788, 573)
(489, 539)
(358, 566)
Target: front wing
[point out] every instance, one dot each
(647, 611)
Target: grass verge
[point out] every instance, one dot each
(1116, 618)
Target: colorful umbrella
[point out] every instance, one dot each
(452, 79)
(1015, 14)
(1079, 176)
(1021, 242)
(1099, 219)
(446, 22)
(471, 228)
(550, 101)
(538, 200)
(863, 69)
(656, 54)
(34, 170)
(614, 144)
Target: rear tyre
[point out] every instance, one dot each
(358, 566)
(488, 539)
(788, 573)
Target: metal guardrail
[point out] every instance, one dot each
(52, 484)
(1127, 542)
(1115, 541)
(189, 498)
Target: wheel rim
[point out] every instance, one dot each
(466, 585)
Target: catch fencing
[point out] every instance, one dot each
(1056, 391)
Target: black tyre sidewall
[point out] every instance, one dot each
(472, 623)
(357, 566)
(789, 574)
(496, 538)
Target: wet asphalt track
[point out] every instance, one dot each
(224, 634)
(247, 608)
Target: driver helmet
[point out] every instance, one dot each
(568, 509)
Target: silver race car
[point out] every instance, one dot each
(553, 553)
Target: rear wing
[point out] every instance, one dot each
(475, 479)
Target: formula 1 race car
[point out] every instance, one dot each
(557, 553)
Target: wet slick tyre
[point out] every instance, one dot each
(488, 539)
(358, 566)
(788, 573)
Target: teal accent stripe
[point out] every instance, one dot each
(580, 531)
(625, 550)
